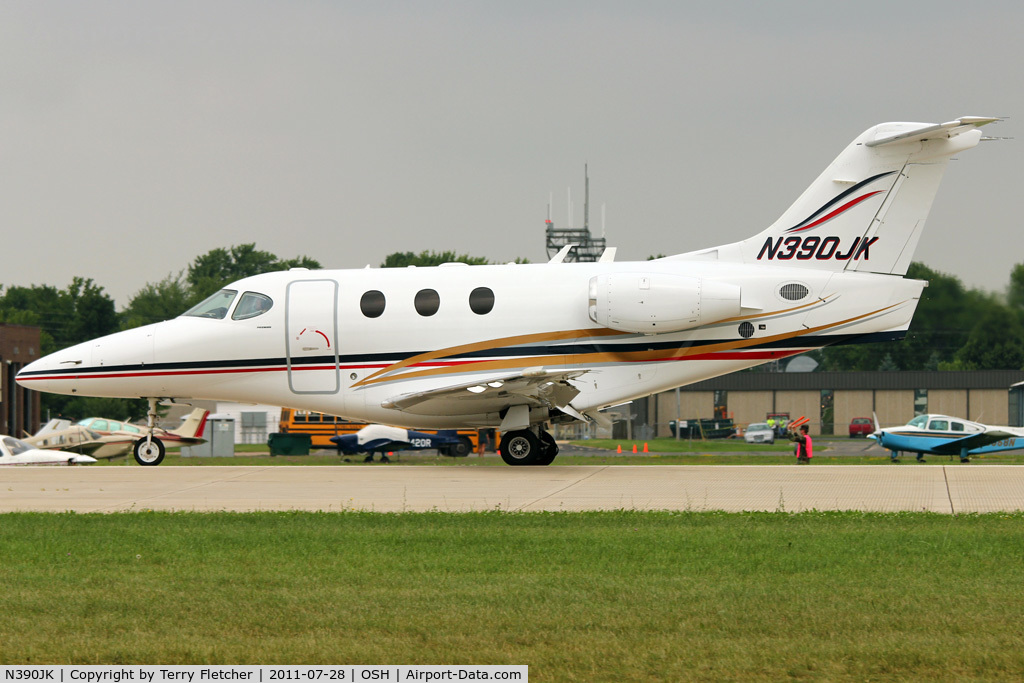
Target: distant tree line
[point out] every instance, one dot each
(83, 311)
(954, 328)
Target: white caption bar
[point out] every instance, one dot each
(262, 674)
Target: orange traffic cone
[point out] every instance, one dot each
(634, 448)
(645, 446)
(619, 450)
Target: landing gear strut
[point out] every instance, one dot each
(149, 450)
(524, 447)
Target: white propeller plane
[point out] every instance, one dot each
(515, 346)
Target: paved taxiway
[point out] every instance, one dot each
(949, 489)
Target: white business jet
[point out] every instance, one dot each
(515, 346)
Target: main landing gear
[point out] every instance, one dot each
(525, 447)
(149, 450)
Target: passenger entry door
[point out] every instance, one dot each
(311, 331)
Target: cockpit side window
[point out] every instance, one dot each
(939, 425)
(215, 306)
(251, 305)
(958, 427)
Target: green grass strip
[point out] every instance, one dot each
(603, 596)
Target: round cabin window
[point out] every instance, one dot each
(372, 304)
(427, 302)
(481, 300)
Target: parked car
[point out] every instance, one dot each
(759, 432)
(861, 426)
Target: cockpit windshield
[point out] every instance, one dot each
(215, 307)
(918, 421)
(15, 446)
(251, 305)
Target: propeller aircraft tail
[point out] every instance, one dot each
(193, 426)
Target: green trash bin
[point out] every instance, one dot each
(289, 444)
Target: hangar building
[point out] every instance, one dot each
(19, 407)
(832, 399)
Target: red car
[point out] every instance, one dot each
(861, 426)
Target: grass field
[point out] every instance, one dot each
(616, 596)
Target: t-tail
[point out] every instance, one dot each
(865, 212)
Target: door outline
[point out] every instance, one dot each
(303, 317)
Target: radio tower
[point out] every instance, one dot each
(588, 248)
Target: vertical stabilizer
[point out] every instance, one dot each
(192, 427)
(865, 212)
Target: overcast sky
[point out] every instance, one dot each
(135, 136)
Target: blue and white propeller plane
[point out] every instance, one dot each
(383, 438)
(516, 346)
(945, 435)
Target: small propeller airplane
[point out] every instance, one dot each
(383, 438)
(515, 346)
(190, 433)
(945, 435)
(58, 434)
(104, 438)
(17, 452)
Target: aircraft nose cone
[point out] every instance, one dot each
(87, 367)
(54, 373)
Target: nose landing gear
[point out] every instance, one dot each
(149, 450)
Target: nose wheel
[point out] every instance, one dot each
(149, 450)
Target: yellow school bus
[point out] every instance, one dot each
(321, 427)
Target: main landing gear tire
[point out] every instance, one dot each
(149, 453)
(549, 449)
(523, 447)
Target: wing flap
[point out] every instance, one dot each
(534, 387)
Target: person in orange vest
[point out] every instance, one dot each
(804, 446)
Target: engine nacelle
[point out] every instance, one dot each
(660, 302)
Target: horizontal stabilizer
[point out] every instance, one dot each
(932, 131)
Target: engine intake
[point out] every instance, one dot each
(659, 302)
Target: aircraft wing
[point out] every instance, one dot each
(534, 387)
(977, 440)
